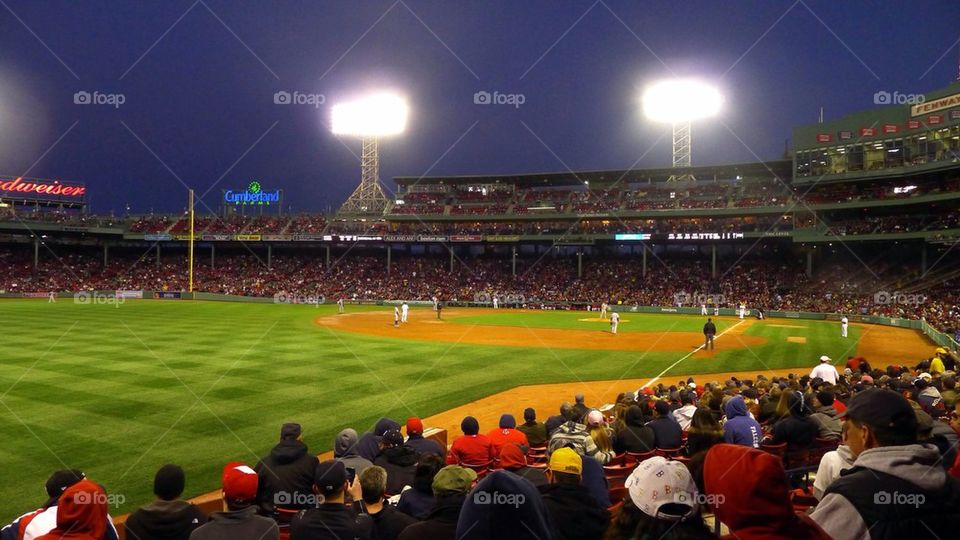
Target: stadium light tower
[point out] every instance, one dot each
(679, 102)
(370, 117)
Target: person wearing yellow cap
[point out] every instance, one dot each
(570, 505)
(936, 363)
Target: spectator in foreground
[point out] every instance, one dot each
(450, 487)
(825, 416)
(399, 460)
(286, 475)
(512, 460)
(574, 435)
(168, 517)
(747, 491)
(369, 445)
(662, 504)
(81, 513)
(704, 432)
(832, 464)
(471, 448)
(332, 519)
(740, 428)
(601, 436)
(506, 434)
(418, 501)
(416, 440)
(896, 488)
(345, 450)
(239, 520)
(536, 432)
(573, 511)
(796, 429)
(636, 436)
(666, 431)
(684, 414)
(388, 522)
(483, 518)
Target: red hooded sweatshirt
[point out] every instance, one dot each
(750, 495)
(81, 513)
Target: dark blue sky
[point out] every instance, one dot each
(199, 78)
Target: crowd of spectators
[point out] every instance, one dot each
(866, 453)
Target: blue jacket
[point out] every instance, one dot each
(740, 427)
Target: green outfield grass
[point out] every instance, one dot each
(119, 391)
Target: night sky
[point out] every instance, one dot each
(198, 80)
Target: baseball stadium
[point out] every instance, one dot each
(583, 332)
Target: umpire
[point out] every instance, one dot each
(709, 330)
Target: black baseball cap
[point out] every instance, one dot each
(59, 481)
(882, 408)
(330, 476)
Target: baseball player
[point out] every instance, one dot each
(404, 310)
(340, 305)
(614, 322)
(844, 323)
(716, 310)
(435, 303)
(743, 309)
(603, 310)
(52, 298)
(396, 317)
(703, 309)
(496, 303)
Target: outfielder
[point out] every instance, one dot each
(52, 298)
(614, 322)
(703, 309)
(340, 305)
(435, 302)
(603, 310)
(496, 303)
(396, 317)
(844, 323)
(404, 309)
(743, 309)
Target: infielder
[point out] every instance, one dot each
(603, 310)
(396, 317)
(340, 305)
(614, 322)
(844, 323)
(496, 303)
(404, 309)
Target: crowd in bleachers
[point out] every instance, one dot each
(862, 453)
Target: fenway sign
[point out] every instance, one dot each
(934, 105)
(23, 187)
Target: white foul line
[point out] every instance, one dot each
(688, 355)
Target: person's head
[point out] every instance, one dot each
(414, 426)
(470, 426)
(59, 481)
(709, 319)
(579, 399)
(568, 412)
(879, 418)
(529, 415)
(507, 421)
(824, 399)
(686, 398)
(290, 431)
(703, 421)
(82, 512)
(565, 467)
(427, 467)
(949, 383)
(330, 480)
(239, 483)
(169, 482)
(453, 480)
(346, 443)
(823, 360)
(391, 439)
(594, 418)
(663, 490)
(662, 408)
(373, 484)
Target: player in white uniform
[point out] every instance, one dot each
(404, 310)
(496, 303)
(396, 317)
(603, 310)
(743, 309)
(614, 322)
(716, 310)
(703, 309)
(340, 305)
(435, 302)
(52, 298)
(844, 323)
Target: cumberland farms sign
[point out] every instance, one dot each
(25, 187)
(254, 194)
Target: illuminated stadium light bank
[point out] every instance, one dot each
(253, 195)
(371, 117)
(679, 102)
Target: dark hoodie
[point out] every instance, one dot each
(369, 446)
(440, 524)
(345, 450)
(796, 429)
(635, 437)
(740, 428)
(243, 524)
(574, 512)
(164, 520)
(517, 513)
(401, 465)
(751, 489)
(288, 470)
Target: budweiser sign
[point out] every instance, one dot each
(23, 187)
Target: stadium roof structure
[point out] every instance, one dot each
(782, 169)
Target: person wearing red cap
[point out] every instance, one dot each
(507, 433)
(239, 519)
(747, 491)
(416, 440)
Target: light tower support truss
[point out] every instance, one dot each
(368, 198)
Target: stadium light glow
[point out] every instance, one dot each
(675, 101)
(375, 115)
